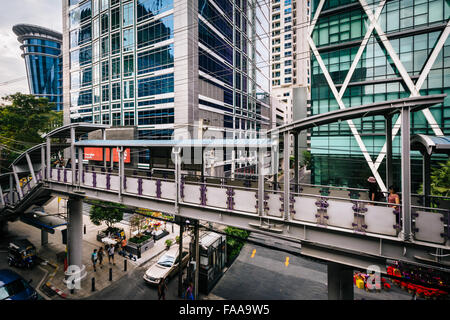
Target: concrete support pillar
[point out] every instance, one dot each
(44, 237)
(426, 179)
(389, 165)
(340, 282)
(286, 175)
(75, 238)
(80, 165)
(406, 174)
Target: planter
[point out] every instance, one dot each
(160, 234)
(135, 248)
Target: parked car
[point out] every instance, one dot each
(14, 287)
(21, 253)
(166, 266)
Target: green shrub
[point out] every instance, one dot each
(234, 245)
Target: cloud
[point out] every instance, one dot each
(45, 13)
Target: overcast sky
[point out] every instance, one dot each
(45, 13)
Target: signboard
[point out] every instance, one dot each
(96, 154)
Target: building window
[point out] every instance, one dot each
(128, 66)
(288, 80)
(105, 47)
(155, 31)
(105, 118)
(152, 117)
(105, 93)
(128, 40)
(115, 68)
(116, 119)
(105, 23)
(150, 8)
(128, 118)
(155, 85)
(115, 91)
(287, 71)
(105, 70)
(128, 89)
(156, 59)
(287, 19)
(128, 14)
(115, 19)
(288, 63)
(115, 43)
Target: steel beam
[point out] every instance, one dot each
(43, 162)
(48, 150)
(72, 153)
(389, 164)
(296, 168)
(30, 167)
(16, 177)
(286, 174)
(260, 182)
(406, 175)
(426, 178)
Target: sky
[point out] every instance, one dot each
(44, 13)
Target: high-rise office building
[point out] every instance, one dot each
(160, 65)
(290, 52)
(42, 54)
(373, 51)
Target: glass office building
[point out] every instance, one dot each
(165, 64)
(42, 53)
(413, 29)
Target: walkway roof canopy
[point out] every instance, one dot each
(206, 143)
(431, 144)
(374, 109)
(35, 153)
(81, 128)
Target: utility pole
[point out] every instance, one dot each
(180, 258)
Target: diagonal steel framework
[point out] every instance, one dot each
(414, 89)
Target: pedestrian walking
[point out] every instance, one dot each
(100, 254)
(374, 191)
(94, 258)
(189, 295)
(111, 254)
(162, 287)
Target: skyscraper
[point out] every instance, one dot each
(367, 52)
(162, 64)
(42, 53)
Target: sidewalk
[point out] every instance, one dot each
(55, 269)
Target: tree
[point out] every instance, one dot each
(22, 111)
(440, 180)
(234, 245)
(107, 212)
(137, 222)
(306, 159)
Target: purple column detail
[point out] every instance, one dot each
(124, 182)
(108, 181)
(158, 188)
(203, 194)
(59, 174)
(182, 188)
(140, 186)
(82, 176)
(94, 179)
(230, 198)
(65, 175)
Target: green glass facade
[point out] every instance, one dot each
(413, 28)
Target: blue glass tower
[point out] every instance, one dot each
(42, 53)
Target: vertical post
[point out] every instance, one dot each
(340, 282)
(30, 167)
(197, 260)
(389, 168)
(75, 238)
(80, 165)
(16, 177)
(111, 158)
(43, 162)
(104, 149)
(406, 175)
(426, 178)
(180, 270)
(72, 153)
(286, 174)
(203, 166)
(121, 171)
(260, 182)
(296, 175)
(176, 153)
(1, 196)
(44, 237)
(11, 188)
(233, 162)
(48, 150)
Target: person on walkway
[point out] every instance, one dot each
(100, 254)
(374, 191)
(393, 197)
(189, 295)
(94, 258)
(162, 287)
(111, 254)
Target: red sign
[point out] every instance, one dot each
(96, 154)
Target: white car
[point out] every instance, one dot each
(166, 266)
